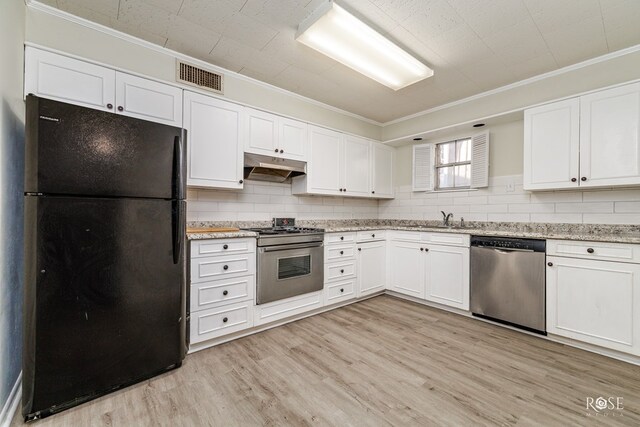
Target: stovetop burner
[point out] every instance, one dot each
(284, 232)
(270, 231)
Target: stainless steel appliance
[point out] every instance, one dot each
(508, 281)
(290, 260)
(273, 169)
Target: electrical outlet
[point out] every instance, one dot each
(511, 187)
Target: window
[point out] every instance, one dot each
(453, 164)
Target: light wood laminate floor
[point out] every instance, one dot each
(380, 362)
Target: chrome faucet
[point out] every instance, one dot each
(446, 217)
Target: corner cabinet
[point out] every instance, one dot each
(214, 142)
(345, 165)
(272, 135)
(588, 141)
(69, 80)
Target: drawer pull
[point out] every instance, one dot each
(359, 249)
(225, 293)
(341, 289)
(426, 249)
(590, 250)
(550, 264)
(342, 271)
(341, 252)
(225, 320)
(225, 247)
(226, 267)
(422, 249)
(373, 235)
(341, 237)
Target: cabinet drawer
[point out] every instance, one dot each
(339, 270)
(595, 250)
(339, 252)
(450, 239)
(203, 269)
(334, 238)
(216, 292)
(202, 248)
(339, 291)
(282, 309)
(215, 322)
(407, 236)
(368, 236)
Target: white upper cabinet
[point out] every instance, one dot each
(148, 100)
(346, 165)
(551, 145)
(356, 167)
(272, 135)
(610, 137)
(214, 142)
(65, 79)
(381, 171)
(324, 164)
(68, 80)
(589, 141)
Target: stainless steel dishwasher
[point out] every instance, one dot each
(508, 281)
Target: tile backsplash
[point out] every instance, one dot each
(505, 201)
(261, 201)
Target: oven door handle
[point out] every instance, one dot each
(295, 246)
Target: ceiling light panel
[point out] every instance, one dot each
(338, 34)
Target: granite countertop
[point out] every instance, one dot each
(581, 232)
(221, 235)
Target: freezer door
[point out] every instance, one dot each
(104, 296)
(72, 150)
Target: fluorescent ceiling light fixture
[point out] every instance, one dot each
(333, 31)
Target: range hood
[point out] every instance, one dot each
(268, 168)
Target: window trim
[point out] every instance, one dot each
(437, 165)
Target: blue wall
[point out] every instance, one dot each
(12, 36)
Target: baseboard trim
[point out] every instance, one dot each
(12, 403)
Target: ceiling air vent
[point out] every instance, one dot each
(198, 77)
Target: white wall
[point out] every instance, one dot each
(12, 27)
(262, 201)
(594, 76)
(496, 203)
(73, 38)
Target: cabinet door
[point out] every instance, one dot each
(68, 80)
(356, 167)
(325, 161)
(594, 301)
(551, 145)
(214, 149)
(262, 133)
(148, 100)
(381, 171)
(293, 139)
(372, 259)
(406, 268)
(610, 137)
(447, 276)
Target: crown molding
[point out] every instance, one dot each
(539, 77)
(35, 5)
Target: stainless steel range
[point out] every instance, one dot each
(290, 260)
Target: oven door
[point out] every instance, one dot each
(288, 270)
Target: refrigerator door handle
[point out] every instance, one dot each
(178, 166)
(179, 229)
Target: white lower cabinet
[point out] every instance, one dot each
(223, 283)
(372, 262)
(216, 322)
(339, 291)
(447, 276)
(597, 302)
(434, 272)
(278, 310)
(406, 268)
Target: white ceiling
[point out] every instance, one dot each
(473, 45)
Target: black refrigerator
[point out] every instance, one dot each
(105, 272)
